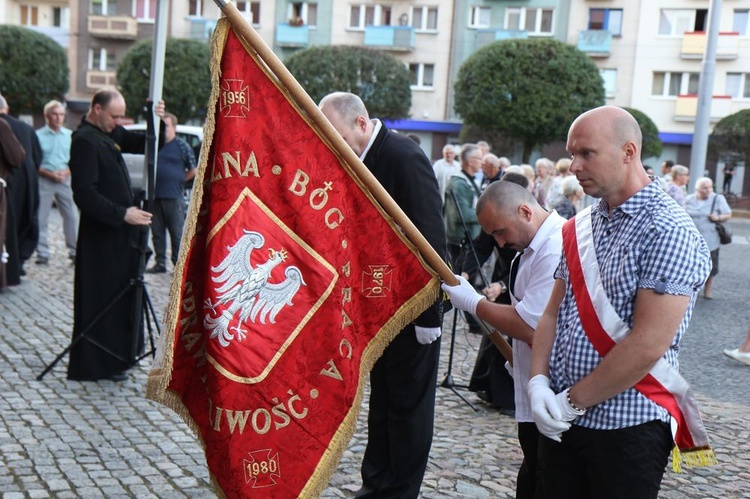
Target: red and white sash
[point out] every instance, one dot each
(604, 328)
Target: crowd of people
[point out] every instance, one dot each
(578, 282)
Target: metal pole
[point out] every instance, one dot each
(156, 85)
(705, 92)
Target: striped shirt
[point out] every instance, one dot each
(647, 242)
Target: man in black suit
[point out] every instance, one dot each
(23, 203)
(403, 380)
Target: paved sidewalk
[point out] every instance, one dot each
(70, 439)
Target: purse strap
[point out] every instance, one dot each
(713, 203)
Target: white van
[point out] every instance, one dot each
(193, 135)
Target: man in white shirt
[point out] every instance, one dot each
(445, 168)
(511, 215)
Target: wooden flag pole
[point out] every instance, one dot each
(246, 31)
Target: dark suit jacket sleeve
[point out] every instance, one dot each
(418, 195)
(134, 142)
(85, 157)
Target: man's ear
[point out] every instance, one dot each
(524, 211)
(631, 151)
(361, 122)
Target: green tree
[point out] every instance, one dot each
(529, 90)
(728, 141)
(187, 78)
(652, 146)
(33, 69)
(378, 78)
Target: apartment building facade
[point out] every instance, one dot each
(649, 53)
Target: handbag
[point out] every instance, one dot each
(725, 233)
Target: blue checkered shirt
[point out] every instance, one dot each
(648, 242)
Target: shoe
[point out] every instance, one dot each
(42, 260)
(22, 271)
(743, 357)
(118, 378)
(158, 268)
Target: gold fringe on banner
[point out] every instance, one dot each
(703, 456)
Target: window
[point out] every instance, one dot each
(195, 8)
(369, 15)
(610, 82)
(101, 60)
(675, 22)
(145, 10)
(29, 15)
(738, 85)
(479, 17)
(606, 20)
(304, 13)
(674, 84)
(739, 21)
(424, 18)
(536, 21)
(422, 75)
(103, 7)
(61, 17)
(251, 11)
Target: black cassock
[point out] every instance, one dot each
(106, 254)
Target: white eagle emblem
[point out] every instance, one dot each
(247, 290)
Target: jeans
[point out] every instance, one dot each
(168, 217)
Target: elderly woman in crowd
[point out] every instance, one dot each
(572, 192)
(676, 185)
(705, 208)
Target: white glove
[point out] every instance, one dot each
(463, 296)
(426, 335)
(545, 409)
(569, 413)
(508, 368)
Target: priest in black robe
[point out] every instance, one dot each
(108, 249)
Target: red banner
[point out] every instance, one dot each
(290, 284)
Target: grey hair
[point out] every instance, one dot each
(347, 105)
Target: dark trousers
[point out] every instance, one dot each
(529, 483)
(168, 217)
(606, 464)
(400, 419)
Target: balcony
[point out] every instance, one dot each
(595, 42)
(118, 27)
(694, 45)
(396, 38)
(292, 36)
(201, 29)
(686, 107)
(486, 36)
(99, 79)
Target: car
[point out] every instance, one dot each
(193, 135)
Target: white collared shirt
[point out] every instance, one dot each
(532, 290)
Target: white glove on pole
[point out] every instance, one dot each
(463, 296)
(426, 335)
(545, 408)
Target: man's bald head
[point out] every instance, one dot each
(505, 197)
